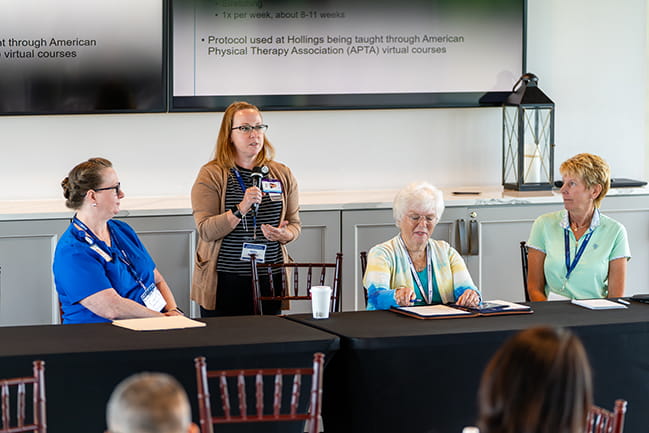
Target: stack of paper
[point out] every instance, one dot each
(597, 304)
(158, 323)
(434, 310)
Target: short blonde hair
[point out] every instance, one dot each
(420, 194)
(592, 170)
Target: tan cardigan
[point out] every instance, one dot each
(210, 215)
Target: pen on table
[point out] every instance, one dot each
(622, 301)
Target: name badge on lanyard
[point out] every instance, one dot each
(153, 299)
(258, 250)
(273, 188)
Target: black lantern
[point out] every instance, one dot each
(528, 137)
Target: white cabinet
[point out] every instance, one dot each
(319, 240)
(27, 293)
(495, 260)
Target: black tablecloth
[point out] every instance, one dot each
(85, 362)
(396, 374)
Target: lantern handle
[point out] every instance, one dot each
(530, 80)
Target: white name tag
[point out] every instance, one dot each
(271, 186)
(153, 299)
(257, 249)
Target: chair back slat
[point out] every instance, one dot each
(323, 275)
(524, 268)
(277, 395)
(363, 255)
(296, 280)
(241, 387)
(21, 405)
(296, 292)
(38, 422)
(225, 396)
(295, 393)
(5, 406)
(269, 274)
(338, 278)
(259, 394)
(279, 413)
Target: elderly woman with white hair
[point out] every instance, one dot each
(412, 268)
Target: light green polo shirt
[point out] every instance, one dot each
(589, 279)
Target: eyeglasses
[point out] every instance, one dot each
(246, 129)
(428, 219)
(116, 188)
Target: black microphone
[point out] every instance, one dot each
(257, 175)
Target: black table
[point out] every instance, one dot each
(399, 374)
(85, 362)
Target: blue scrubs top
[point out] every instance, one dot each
(81, 271)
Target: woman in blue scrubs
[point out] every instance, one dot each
(101, 269)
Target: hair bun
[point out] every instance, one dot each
(65, 184)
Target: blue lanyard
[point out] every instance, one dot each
(129, 265)
(243, 190)
(428, 295)
(88, 235)
(91, 239)
(240, 179)
(571, 266)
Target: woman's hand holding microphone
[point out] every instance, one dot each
(251, 197)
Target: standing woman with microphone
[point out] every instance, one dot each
(243, 201)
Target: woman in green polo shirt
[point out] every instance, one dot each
(578, 252)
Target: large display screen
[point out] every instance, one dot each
(80, 56)
(301, 54)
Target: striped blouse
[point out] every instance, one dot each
(268, 213)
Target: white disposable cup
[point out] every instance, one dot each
(320, 301)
